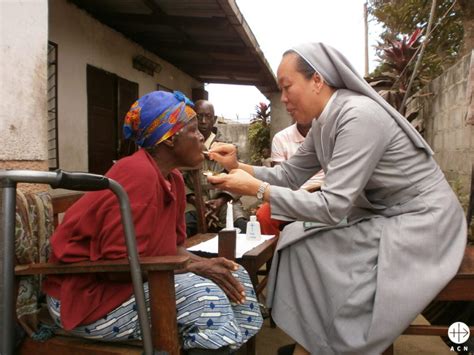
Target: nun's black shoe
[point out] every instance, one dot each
(286, 349)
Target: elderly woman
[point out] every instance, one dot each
(217, 308)
(380, 239)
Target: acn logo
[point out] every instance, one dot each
(458, 332)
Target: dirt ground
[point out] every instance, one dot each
(270, 339)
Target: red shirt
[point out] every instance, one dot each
(92, 230)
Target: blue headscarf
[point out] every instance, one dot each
(157, 116)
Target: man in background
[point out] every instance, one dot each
(215, 200)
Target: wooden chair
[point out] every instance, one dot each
(62, 202)
(160, 272)
(199, 201)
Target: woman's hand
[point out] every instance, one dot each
(220, 270)
(237, 181)
(225, 154)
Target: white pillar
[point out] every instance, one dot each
(280, 117)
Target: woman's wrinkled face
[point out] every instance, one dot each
(298, 93)
(188, 145)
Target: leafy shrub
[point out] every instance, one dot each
(259, 133)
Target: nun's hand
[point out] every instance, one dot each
(225, 154)
(237, 181)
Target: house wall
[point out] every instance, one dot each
(83, 40)
(23, 68)
(280, 117)
(23, 114)
(443, 107)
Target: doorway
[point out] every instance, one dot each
(109, 97)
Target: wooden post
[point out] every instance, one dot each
(200, 207)
(163, 303)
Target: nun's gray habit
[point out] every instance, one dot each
(390, 232)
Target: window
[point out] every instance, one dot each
(53, 156)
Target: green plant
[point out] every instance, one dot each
(259, 132)
(398, 53)
(402, 16)
(392, 76)
(263, 113)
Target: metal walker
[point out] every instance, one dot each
(71, 181)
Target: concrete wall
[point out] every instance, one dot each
(23, 68)
(444, 111)
(83, 40)
(237, 133)
(280, 117)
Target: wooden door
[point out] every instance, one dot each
(127, 94)
(101, 120)
(108, 99)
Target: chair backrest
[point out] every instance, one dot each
(199, 200)
(61, 203)
(37, 214)
(33, 228)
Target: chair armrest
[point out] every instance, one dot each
(156, 263)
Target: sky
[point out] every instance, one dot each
(280, 24)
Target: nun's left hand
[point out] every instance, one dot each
(237, 181)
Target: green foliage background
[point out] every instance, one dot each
(259, 138)
(400, 17)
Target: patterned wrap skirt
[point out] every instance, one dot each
(206, 317)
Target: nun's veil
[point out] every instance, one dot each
(338, 72)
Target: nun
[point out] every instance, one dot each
(367, 253)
